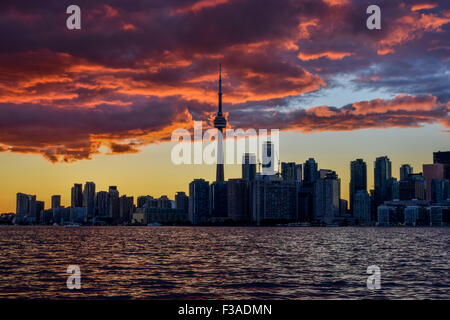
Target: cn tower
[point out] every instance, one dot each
(220, 122)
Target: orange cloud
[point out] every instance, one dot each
(331, 55)
(423, 6)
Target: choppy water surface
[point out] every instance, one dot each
(224, 262)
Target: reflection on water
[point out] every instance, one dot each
(224, 262)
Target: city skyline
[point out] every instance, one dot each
(301, 193)
(336, 90)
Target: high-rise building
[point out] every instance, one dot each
(290, 171)
(102, 204)
(164, 202)
(393, 188)
(249, 166)
(89, 199)
(442, 157)
(198, 201)
(310, 173)
(361, 209)
(413, 188)
(126, 208)
(305, 202)
(382, 173)
(327, 193)
(440, 190)
(431, 172)
(114, 209)
(142, 200)
(76, 199)
(218, 199)
(26, 207)
(56, 201)
(436, 216)
(405, 171)
(182, 202)
(273, 199)
(220, 123)
(358, 179)
(268, 159)
(238, 200)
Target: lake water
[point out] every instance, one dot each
(224, 262)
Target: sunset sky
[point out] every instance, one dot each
(100, 104)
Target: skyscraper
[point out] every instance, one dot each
(310, 170)
(441, 157)
(218, 203)
(76, 200)
(327, 193)
(290, 171)
(361, 209)
(358, 179)
(238, 200)
(89, 198)
(26, 207)
(268, 159)
(249, 166)
(382, 173)
(182, 202)
(273, 199)
(431, 172)
(405, 171)
(114, 210)
(440, 190)
(220, 122)
(56, 201)
(198, 201)
(126, 208)
(102, 204)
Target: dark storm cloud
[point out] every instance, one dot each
(140, 68)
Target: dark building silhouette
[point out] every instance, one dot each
(114, 209)
(440, 190)
(89, 198)
(290, 171)
(249, 167)
(198, 201)
(239, 200)
(412, 188)
(56, 201)
(182, 202)
(305, 202)
(126, 208)
(392, 187)
(310, 172)
(218, 203)
(441, 157)
(273, 199)
(142, 200)
(268, 159)
(327, 193)
(40, 207)
(405, 171)
(358, 179)
(76, 196)
(102, 204)
(382, 173)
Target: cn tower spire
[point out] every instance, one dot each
(220, 90)
(220, 123)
